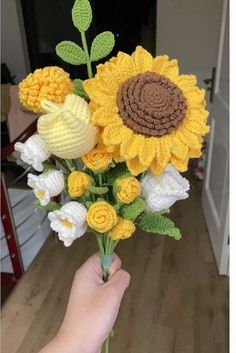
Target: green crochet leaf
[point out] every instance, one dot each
(48, 166)
(79, 89)
(164, 211)
(117, 172)
(102, 45)
(133, 210)
(154, 222)
(82, 15)
(98, 189)
(71, 52)
(88, 204)
(51, 206)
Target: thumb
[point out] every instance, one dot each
(118, 283)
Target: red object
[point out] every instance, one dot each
(10, 233)
(7, 279)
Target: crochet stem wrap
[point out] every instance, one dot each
(106, 261)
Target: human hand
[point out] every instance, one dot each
(92, 309)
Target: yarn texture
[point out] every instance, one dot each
(78, 183)
(46, 185)
(33, 152)
(66, 129)
(101, 216)
(147, 112)
(51, 83)
(98, 159)
(122, 230)
(69, 222)
(129, 189)
(160, 192)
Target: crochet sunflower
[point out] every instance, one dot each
(148, 113)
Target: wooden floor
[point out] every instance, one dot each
(176, 302)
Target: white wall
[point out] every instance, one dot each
(188, 30)
(14, 48)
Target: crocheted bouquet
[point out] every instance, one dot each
(119, 140)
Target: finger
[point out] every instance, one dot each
(118, 283)
(115, 266)
(93, 264)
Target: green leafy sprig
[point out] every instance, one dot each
(73, 54)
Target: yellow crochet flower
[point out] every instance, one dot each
(122, 230)
(148, 113)
(101, 216)
(129, 189)
(97, 159)
(78, 182)
(51, 83)
(66, 129)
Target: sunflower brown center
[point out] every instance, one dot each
(150, 104)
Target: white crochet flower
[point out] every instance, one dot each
(69, 222)
(33, 152)
(46, 185)
(163, 191)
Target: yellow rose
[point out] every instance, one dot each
(129, 189)
(51, 83)
(78, 182)
(122, 230)
(101, 216)
(97, 159)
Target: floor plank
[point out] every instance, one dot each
(176, 302)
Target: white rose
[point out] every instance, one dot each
(46, 185)
(163, 191)
(69, 222)
(33, 152)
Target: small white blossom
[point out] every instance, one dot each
(46, 185)
(69, 222)
(33, 152)
(163, 191)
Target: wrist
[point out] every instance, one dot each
(75, 342)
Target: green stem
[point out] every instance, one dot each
(107, 250)
(100, 179)
(61, 161)
(115, 242)
(88, 62)
(70, 165)
(100, 245)
(107, 344)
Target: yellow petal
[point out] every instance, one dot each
(186, 82)
(170, 69)
(156, 167)
(147, 150)
(163, 152)
(93, 106)
(105, 115)
(143, 60)
(197, 113)
(188, 138)
(135, 167)
(198, 127)
(195, 153)
(130, 146)
(177, 147)
(180, 164)
(159, 62)
(116, 156)
(106, 69)
(112, 134)
(107, 84)
(124, 68)
(100, 98)
(195, 96)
